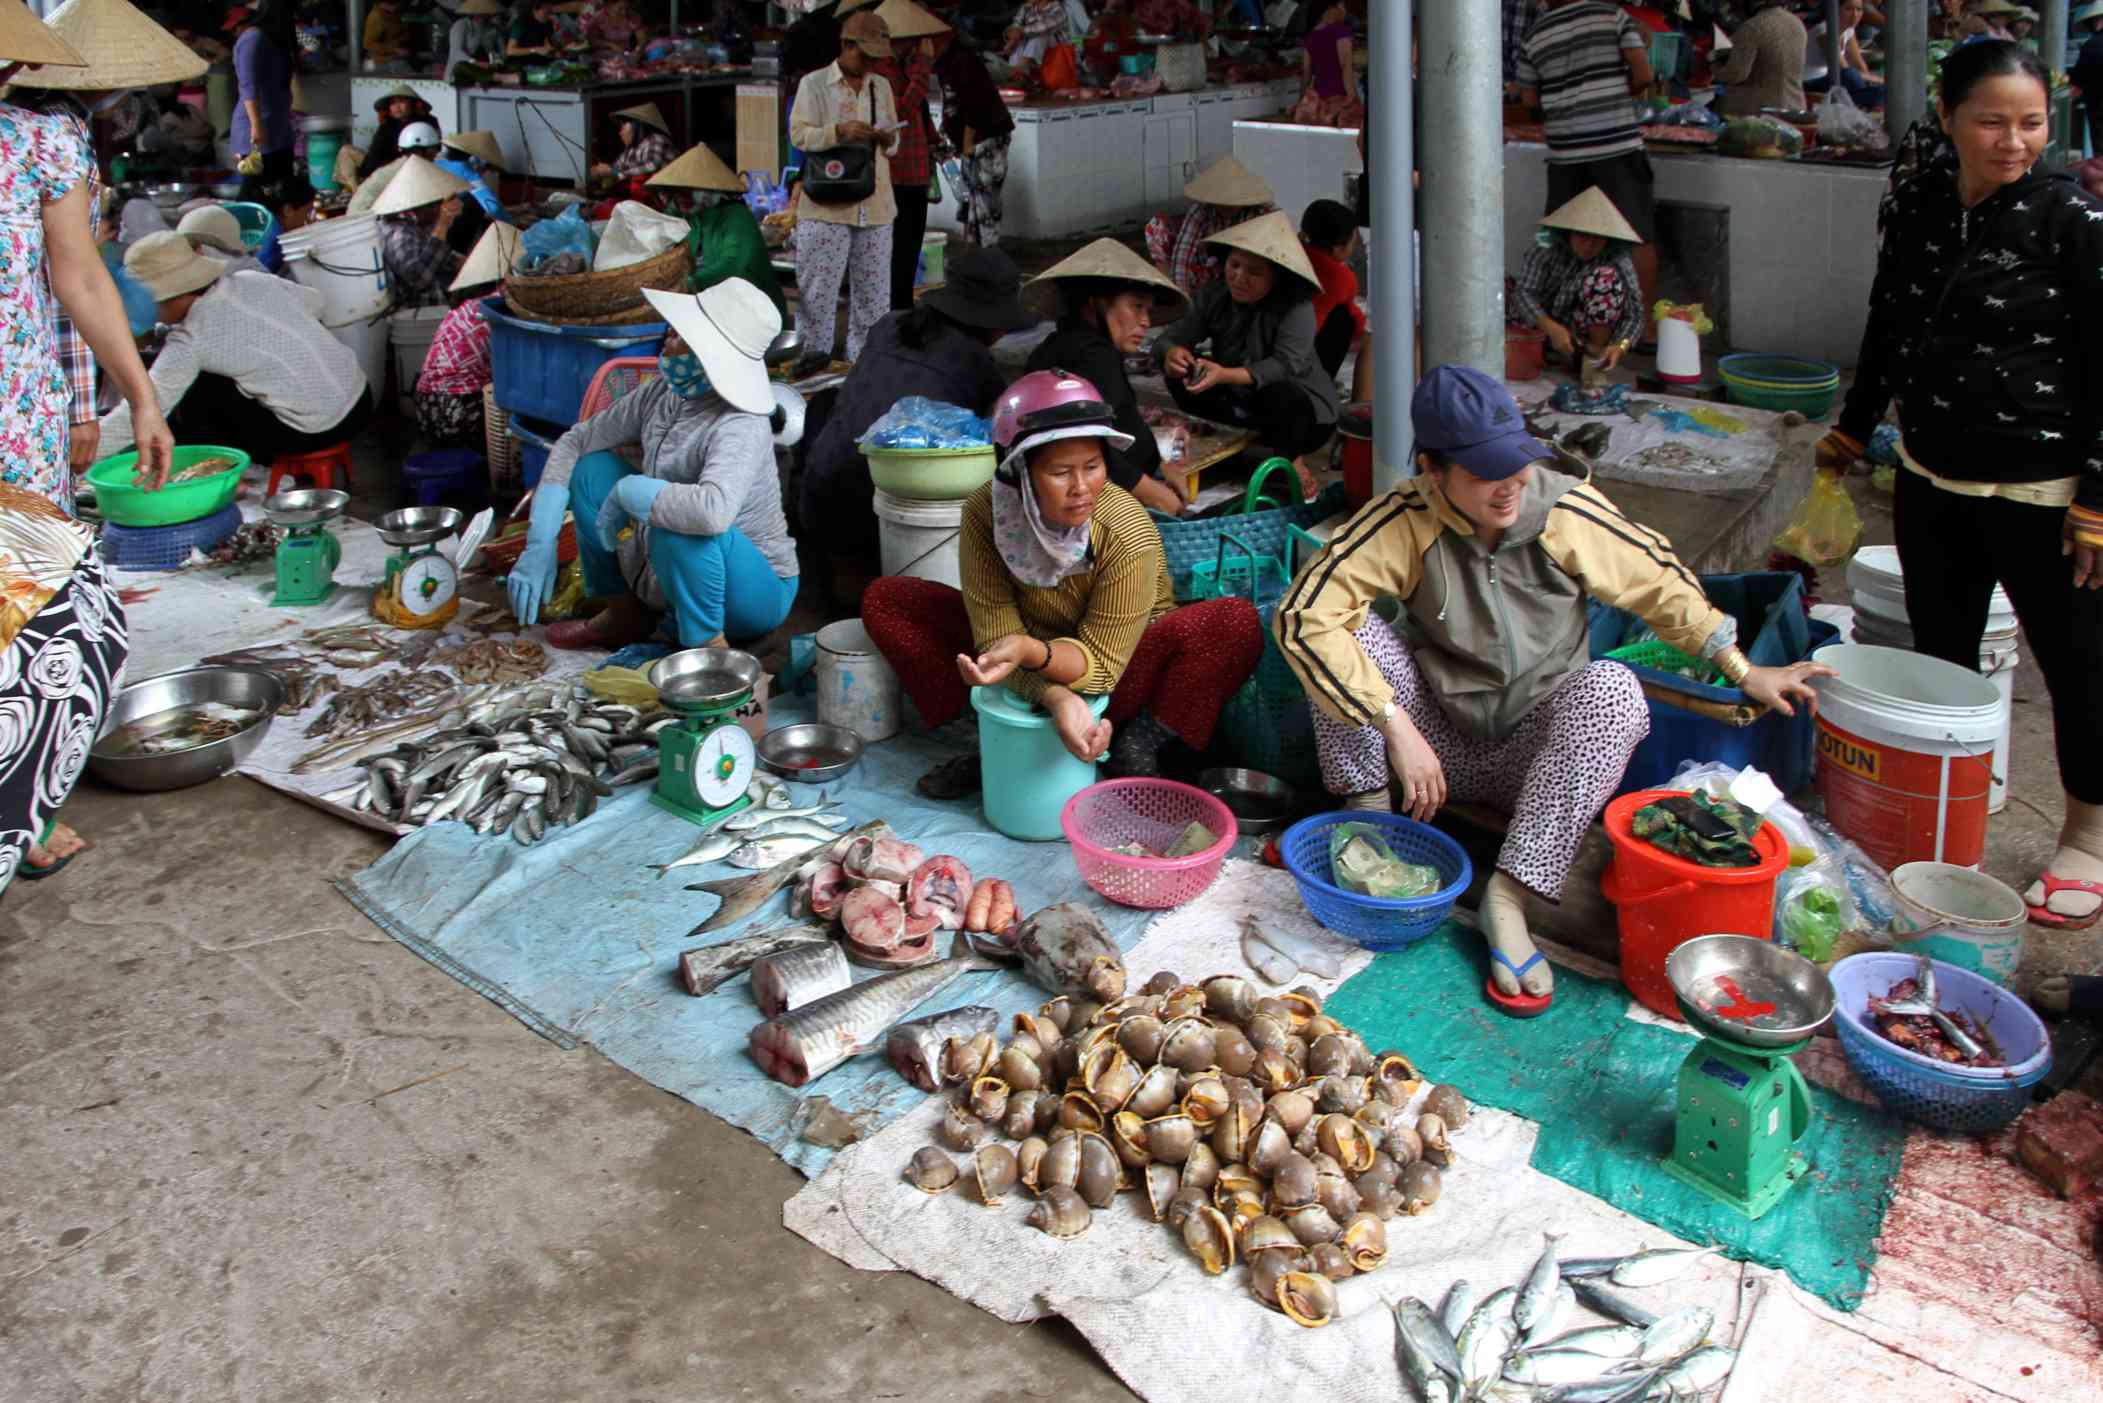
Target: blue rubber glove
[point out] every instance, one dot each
(630, 500)
(533, 578)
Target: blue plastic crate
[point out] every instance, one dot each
(167, 547)
(535, 442)
(1375, 923)
(542, 371)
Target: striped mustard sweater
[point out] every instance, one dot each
(1102, 611)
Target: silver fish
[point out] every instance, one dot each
(797, 1047)
(1574, 1268)
(759, 814)
(1558, 1315)
(707, 966)
(799, 976)
(915, 1046)
(1537, 1294)
(1547, 1368)
(714, 848)
(1698, 1372)
(794, 828)
(1607, 1341)
(1487, 1340)
(1430, 1384)
(1675, 1334)
(1619, 1388)
(1422, 1334)
(1453, 1311)
(1065, 949)
(1608, 1302)
(744, 895)
(1656, 1267)
(765, 852)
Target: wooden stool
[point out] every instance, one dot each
(322, 467)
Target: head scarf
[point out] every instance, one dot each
(1035, 552)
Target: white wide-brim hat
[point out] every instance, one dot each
(728, 327)
(166, 266)
(214, 225)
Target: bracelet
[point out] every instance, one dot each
(1734, 665)
(1043, 665)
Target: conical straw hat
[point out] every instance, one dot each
(1270, 236)
(398, 90)
(124, 49)
(1111, 261)
(647, 114)
(494, 256)
(698, 169)
(1592, 213)
(848, 7)
(1229, 182)
(482, 145)
(419, 183)
(909, 21)
(26, 39)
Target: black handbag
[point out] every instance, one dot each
(842, 175)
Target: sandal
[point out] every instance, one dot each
(30, 872)
(954, 778)
(1521, 1004)
(2043, 915)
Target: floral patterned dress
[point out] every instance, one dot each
(41, 158)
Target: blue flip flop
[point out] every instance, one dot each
(1521, 1004)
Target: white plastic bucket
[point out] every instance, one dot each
(857, 688)
(1679, 351)
(1879, 587)
(410, 331)
(919, 538)
(340, 259)
(367, 338)
(1905, 754)
(1961, 917)
(1997, 660)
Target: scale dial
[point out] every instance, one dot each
(426, 585)
(723, 766)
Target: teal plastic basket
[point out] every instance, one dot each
(1190, 542)
(1266, 724)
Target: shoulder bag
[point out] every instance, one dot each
(844, 174)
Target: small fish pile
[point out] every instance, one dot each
(180, 728)
(519, 660)
(1513, 1343)
(251, 541)
(772, 830)
(203, 467)
(1256, 1127)
(388, 697)
(1911, 1015)
(522, 770)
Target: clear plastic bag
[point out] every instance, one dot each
(1826, 527)
(1812, 907)
(1756, 792)
(1841, 123)
(1868, 884)
(920, 422)
(565, 233)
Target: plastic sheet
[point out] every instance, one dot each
(919, 422)
(565, 233)
(636, 234)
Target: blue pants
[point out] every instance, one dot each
(714, 584)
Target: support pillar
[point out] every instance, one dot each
(1905, 65)
(1391, 140)
(1461, 67)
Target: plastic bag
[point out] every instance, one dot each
(1841, 123)
(636, 234)
(1690, 312)
(1362, 862)
(1762, 137)
(1812, 907)
(1868, 884)
(1826, 527)
(565, 233)
(919, 422)
(1061, 70)
(1757, 792)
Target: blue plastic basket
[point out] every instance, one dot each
(1969, 1102)
(543, 371)
(1375, 923)
(167, 547)
(535, 442)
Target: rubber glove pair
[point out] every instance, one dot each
(532, 579)
(631, 498)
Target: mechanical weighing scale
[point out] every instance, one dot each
(1742, 1104)
(308, 556)
(421, 588)
(705, 761)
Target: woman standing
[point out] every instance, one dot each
(262, 131)
(1329, 73)
(1982, 328)
(842, 237)
(977, 123)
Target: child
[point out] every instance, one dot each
(449, 391)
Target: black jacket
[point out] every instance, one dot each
(1076, 346)
(970, 97)
(1986, 326)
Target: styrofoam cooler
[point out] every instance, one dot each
(410, 332)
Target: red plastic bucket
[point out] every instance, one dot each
(1355, 432)
(1664, 901)
(1525, 352)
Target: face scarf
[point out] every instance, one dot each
(1035, 552)
(684, 374)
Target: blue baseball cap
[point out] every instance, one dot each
(1469, 418)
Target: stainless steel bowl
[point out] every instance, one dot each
(1756, 971)
(245, 687)
(785, 347)
(704, 676)
(305, 506)
(1260, 803)
(419, 526)
(810, 753)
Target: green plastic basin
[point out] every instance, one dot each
(931, 474)
(125, 505)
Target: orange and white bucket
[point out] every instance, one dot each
(1906, 753)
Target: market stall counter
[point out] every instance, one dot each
(559, 133)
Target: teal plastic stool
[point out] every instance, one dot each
(1026, 772)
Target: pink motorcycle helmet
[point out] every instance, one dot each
(1043, 407)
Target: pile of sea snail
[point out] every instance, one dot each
(1255, 1126)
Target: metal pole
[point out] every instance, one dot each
(2051, 23)
(1905, 65)
(357, 39)
(1390, 141)
(1834, 53)
(1463, 75)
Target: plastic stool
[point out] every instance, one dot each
(442, 472)
(321, 466)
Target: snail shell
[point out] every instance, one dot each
(1207, 1100)
(1210, 1239)
(1294, 1182)
(1093, 1036)
(1101, 1175)
(1162, 1183)
(1267, 1032)
(1019, 1066)
(1231, 997)
(1449, 1104)
(1234, 1179)
(1065, 1062)
(1340, 1095)
(1346, 1141)
(993, 1172)
(1246, 1095)
(1184, 1001)
(1187, 1201)
(1061, 1166)
(1162, 983)
(1047, 1113)
(1131, 1006)
(1307, 1298)
(1274, 1072)
(1085, 1011)
(1311, 1224)
(1307, 1142)
(1331, 1260)
(1060, 1213)
(1029, 1164)
(1155, 1093)
(1302, 1005)
(1128, 1138)
(1295, 1050)
(1030, 1045)
(1365, 1237)
(1266, 1269)
(1058, 1012)
(989, 1099)
(1321, 1026)
(1201, 1168)
(1021, 1120)
(1044, 1030)
(1338, 1196)
(1403, 1145)
(1263, 1233)
(1361, 1055)
(1233, 1051)
(1381, 1200)
(1189, 1045)
(1375, 1115)
(1231, 1132)
(1171, 1138)
(930, 1170)
(1109, 1076)
(1382, 1171)
(1268, 1148)
(1078, 1111)
(1437, 1149)
(1397, 1074)
(1329, 1056)
(960, 1130)
(1291, 1109)
(1420, 1187)
(1140, 1036)
(964, 1060)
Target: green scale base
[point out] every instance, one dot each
(1739, 1117)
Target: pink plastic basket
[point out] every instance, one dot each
(1153, 813)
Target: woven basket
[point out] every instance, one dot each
(634, 316)
(499, 447)
(592, 299)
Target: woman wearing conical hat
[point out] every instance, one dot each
(722, 236)
(1580, 285)
(1246, 353)
(646, 147)
(457, 369)
(415, 216)
(1224, 194)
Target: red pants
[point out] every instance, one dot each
(1188, 662)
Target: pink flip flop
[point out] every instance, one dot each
(2045, 916)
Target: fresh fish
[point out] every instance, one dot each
(1487, 1340)
(915, 1046)
(1065, 949)
(1656, 1267)
(799, 976)
(769, 792)
(759, 814)
(1309, 956)
(1574, 1268)
(1609, 1302)
(714, 848)
(707, 966)
(1616, 1388)
(1453, 1311)
(766, 852)
(1537, 1293)
(1424, 1374)
(1606, 1341)
(1675, 1334)
(1422, 1333)
(1698, 1372)
(744, 895)
(1263, 957)
(811, 1041)
(1558, 1316)
(1547, 1368)
(794, 828)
